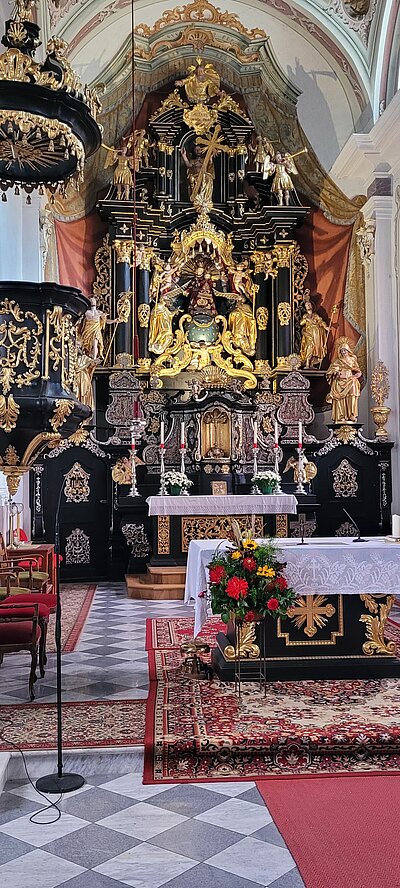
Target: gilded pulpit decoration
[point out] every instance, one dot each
(375, 623)
(345, 482)
(62, 410)
(77, 547)
(77, 489)
(20, 354)
(136, 538)
(9, 412)
(311, 612)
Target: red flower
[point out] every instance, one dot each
(273, 604)
(249, 563)
(281, 583)
(236, 587)
(250, 616)
(217, 573)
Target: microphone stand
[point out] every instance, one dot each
(358, 538)
(59, 782)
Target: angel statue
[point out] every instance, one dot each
(282, 185)
(122, 177)
(202, 84)
(263, 153)
(141, 145)
(344, 375)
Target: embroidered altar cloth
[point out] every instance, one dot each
(323, 567)
(231, 504)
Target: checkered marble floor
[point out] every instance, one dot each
(115, 831)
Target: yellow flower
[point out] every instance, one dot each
(250, 544)
(236, 555)
(269, 572)
(260, 572)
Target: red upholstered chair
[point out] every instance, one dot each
(20, 631)
(28, 574)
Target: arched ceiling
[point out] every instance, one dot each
(338, 53)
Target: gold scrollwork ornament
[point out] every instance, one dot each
(245, 646)
(262, 317)
(284, 313)
(143, 314)
(62, 409)
(375, 623)
(9, 412)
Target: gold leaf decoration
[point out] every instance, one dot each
(9, 412)
(62, 410)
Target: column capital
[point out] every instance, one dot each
(378, 207)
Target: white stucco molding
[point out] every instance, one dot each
(368, 155)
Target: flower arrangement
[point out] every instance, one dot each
(247, 583)
(267, 482)
(176, 482)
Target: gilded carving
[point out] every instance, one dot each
(281, 526)
(102, 284)
(245, 647)
(77, 547)
(311, 612)
(9, 412)
(217, 527)
(20, 346)
(284, 312)
(77, 489)
(262, 317)
(345, 482)
(163, 534)
(375, 623)
(143, 314)
(123, 250)
(62, 409)
(121, 472)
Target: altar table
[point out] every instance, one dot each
(353, 573)
(177, 520)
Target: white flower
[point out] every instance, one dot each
(172, 477)
(268, 475)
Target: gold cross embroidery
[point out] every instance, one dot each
(312, 611)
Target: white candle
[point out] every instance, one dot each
(255, 433)
(276, 439)
(300, 433)
(132, 443)
(162, 431)
(396, 526)
(182, 434)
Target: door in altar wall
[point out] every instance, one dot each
(84, 512)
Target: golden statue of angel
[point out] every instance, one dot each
(125, 163)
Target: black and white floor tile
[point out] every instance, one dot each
(115, 831)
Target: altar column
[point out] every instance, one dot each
(263, 277)
(282, 301)
(124, 334)
(143, 302)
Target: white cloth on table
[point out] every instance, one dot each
(323, 567)
(232, 504)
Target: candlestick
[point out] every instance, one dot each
(182, 433)
(133, 491)
(254, 488)
(278, 488)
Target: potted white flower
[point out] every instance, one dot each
(177, 483)
(266, 482)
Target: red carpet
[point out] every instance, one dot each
(163, 633)
(91, 724)
(76, 599)
(342, 832)
(196, 730)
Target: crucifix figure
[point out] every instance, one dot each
(200, 170)
(312, 611)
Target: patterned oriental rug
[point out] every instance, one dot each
(353, 814)
(91, 724)
(197, 730)
(76, 599)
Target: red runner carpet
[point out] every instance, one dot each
(76, 599)
(342, 833)
(88, 724)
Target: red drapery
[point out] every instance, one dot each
(77, 243)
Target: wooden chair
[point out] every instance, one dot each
(20, 631)
(28, 574)
(11, 593)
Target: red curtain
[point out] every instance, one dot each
(77, 243)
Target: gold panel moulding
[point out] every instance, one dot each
(313, 613)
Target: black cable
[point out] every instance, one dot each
(50, 805)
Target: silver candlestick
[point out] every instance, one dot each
(254, 488)
(278, 488)
(163, 490)
(183, 468)
(137, 428)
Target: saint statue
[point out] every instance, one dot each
(122, 177)
(263, 152)
(200, 176)
(202, 84)
(140, 142)
(83, 378)
(282, 185)
(344, 375)
(161, 334)
(201, 293)
(90, 331)
(243, 327)
(313, 339)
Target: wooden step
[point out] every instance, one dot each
(140, 587)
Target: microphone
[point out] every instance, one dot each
(358, 538)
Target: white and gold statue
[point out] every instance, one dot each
(343, 376)
(90, 331)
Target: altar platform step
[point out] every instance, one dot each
(159, 584)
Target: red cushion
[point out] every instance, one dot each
(22, 610)
(45, 598)
(27, 564)
(17, 633)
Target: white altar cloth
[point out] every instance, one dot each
(323, 567)
(232, 504)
